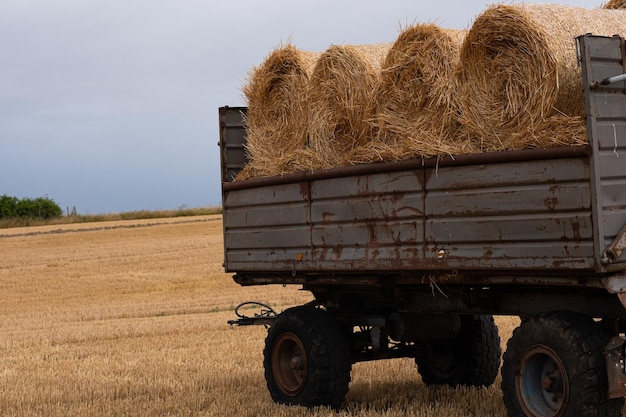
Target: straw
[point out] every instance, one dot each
(519, 82)
(277, 119)
(615, 4)
(416, 110)
(340, 97)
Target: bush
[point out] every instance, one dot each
(39, 208)
(8, 207)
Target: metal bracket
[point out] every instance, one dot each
(609, 80)
(616, 248)
(616, 367)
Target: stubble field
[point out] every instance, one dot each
(129, 318)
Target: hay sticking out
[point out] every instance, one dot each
(519, 81)
(415, 101)
(340, 101)
(615, 4)
(277, 119)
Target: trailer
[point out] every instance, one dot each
(414, 258)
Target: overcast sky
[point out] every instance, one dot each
(111, 105)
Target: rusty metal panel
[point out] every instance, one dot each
(376, 233)
(605, 105)
(350, 259)
(528, 199)
(522, 172)
(610, 105)
(517, 257)
(387, 196)
(368, 221)
(232, 141)
(528, 214)
(267, 196)
(265, 227)
(375, 184)
(565, 228)
(611, 141)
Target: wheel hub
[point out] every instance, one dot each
(289, 364)
(552, 381)
(542, 386)
(297, 363)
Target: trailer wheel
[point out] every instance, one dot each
(554, 365)
(307, 359)
(472, 358)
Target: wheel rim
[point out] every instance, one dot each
(289, 364)
(445, 363)
(542, 385)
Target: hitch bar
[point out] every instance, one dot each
(265, 317)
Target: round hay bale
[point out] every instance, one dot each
(519, 82)
(340, 101)
(615, 4)
(415, 109)
(277, 118)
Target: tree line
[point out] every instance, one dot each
(31, 208)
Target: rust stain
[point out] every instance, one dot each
(305, 190)
(576, 231)
(373, 234)
(551, 203)
(408, 209)
(328, 217)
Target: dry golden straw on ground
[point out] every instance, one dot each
(415, 100)
(129, 319)
(519, 81)
(277, 117)
(340, 98)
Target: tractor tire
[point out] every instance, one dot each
(307, 359)
(472, 358)
(554, 366)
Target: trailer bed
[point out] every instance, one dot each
(529, 213)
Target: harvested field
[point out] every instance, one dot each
(129, 319)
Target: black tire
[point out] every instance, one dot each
(307, 359)
(554, 365)
(472, 358)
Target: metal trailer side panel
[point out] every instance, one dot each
(232, 141)
(325, 225)
(606, 123)
(521, 215)
(266, 227)
(233, 155)
(510, 215)
(367, 222)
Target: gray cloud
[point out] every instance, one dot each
(112, 105)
